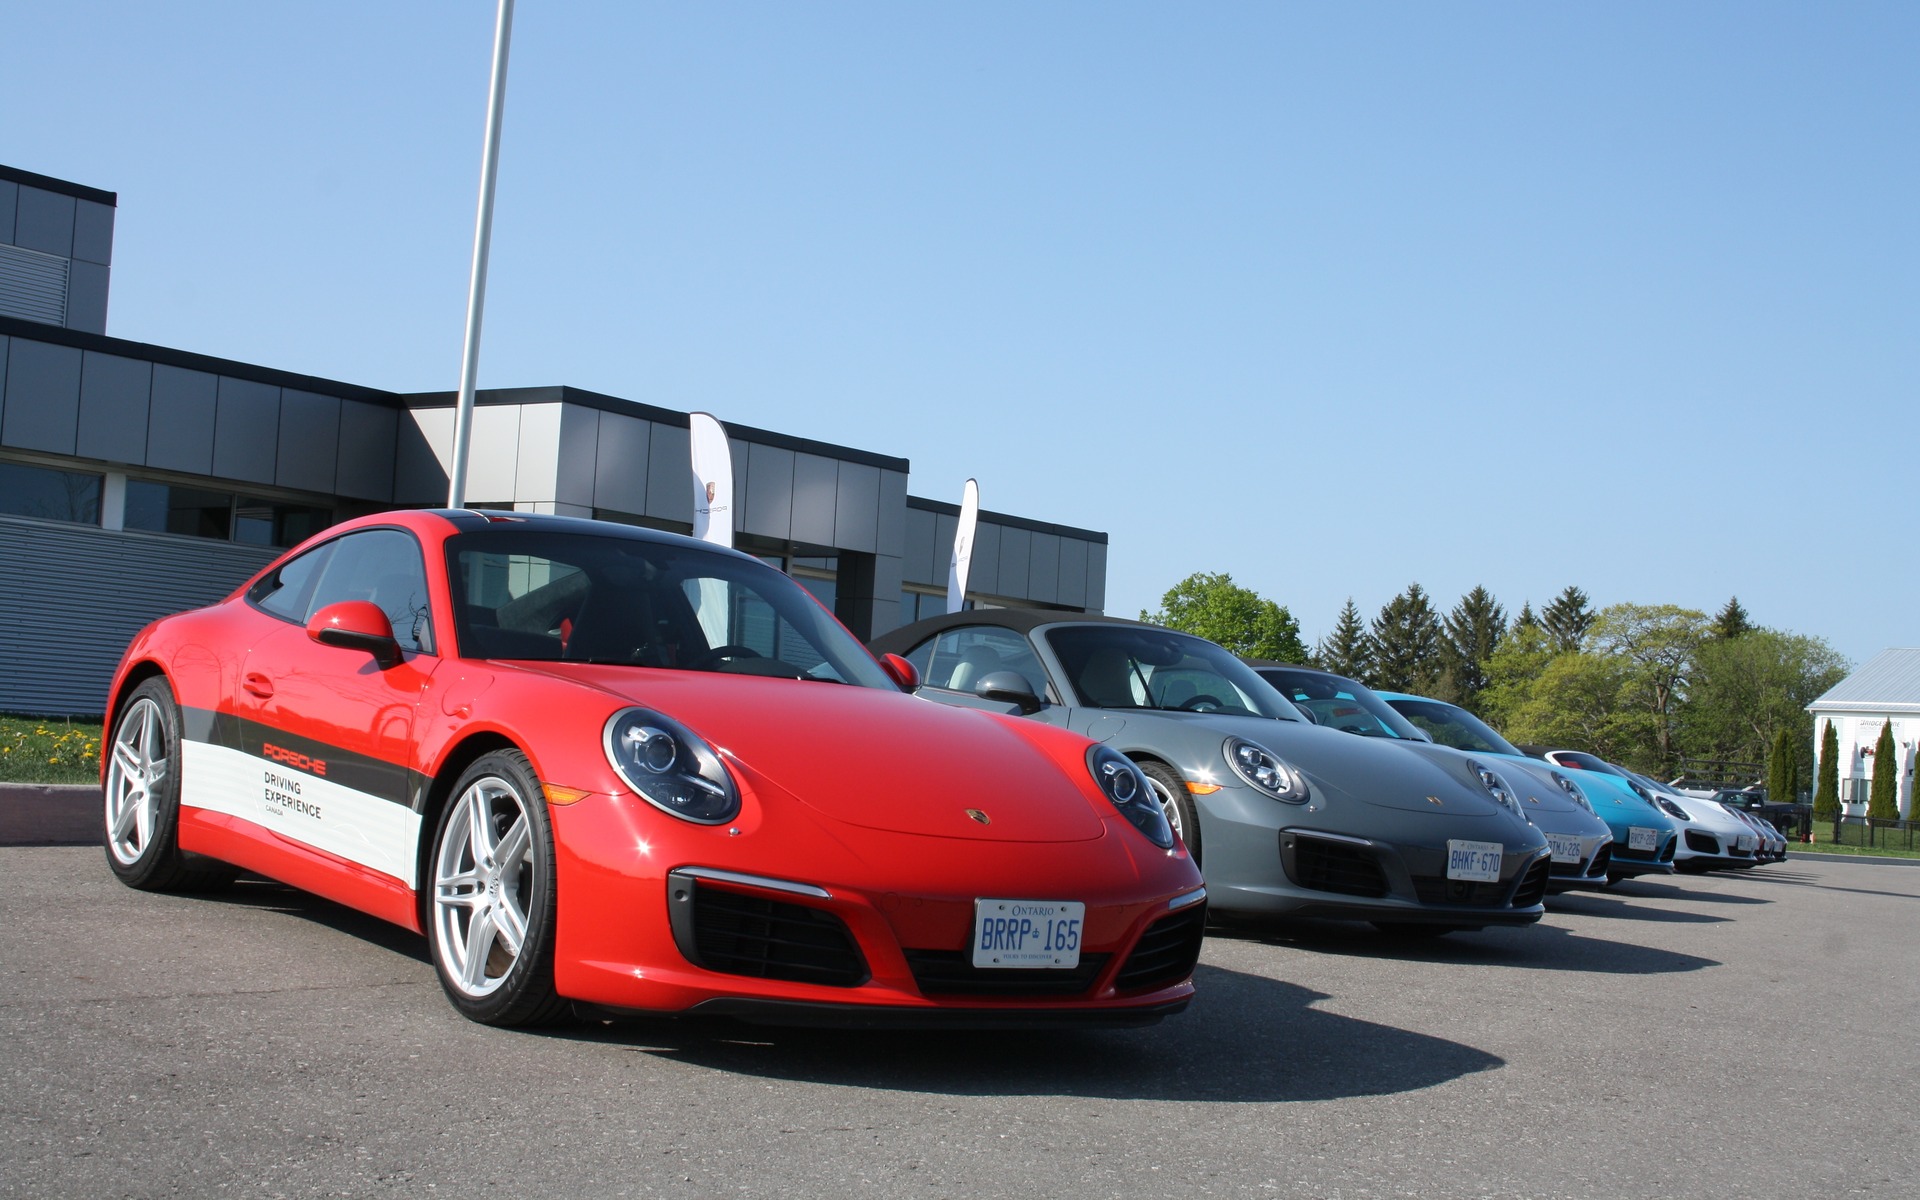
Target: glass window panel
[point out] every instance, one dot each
(30, 491)
(383, 566)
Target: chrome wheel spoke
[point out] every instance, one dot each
(511, 853)
(509, 924)
(473, 955)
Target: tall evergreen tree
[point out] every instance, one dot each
(1568, 618)
(1526, 619)
(1347, 650)
(1406, 644)
(1883, 797)
(1731, 621)
(1783, 769)
(1469, 636)
(1826, 794)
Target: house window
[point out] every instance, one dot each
(29, 491)
(223, 516)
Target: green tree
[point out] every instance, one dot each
(1568, 619)
(1468, 637)
(1347, 650)
(1731, 621)
(1783, 769)
(1526, 617)
(1513, 670)
(1826, 794)
(1883, 796)
(1659, 643)
(1585, 702)
(1745, 691)
(1218, 609)
(1406, 644)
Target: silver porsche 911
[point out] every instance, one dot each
(1285, 817)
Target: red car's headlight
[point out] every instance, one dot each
(670, 766)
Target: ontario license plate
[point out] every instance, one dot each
(1642, 839)
(1476, 861)
(1027, 933)
(1565, 847)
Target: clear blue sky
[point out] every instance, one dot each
(1331, 297)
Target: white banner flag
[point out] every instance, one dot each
(712, 480)
(963, 547)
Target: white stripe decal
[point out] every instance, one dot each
(378, 834)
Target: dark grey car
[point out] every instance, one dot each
(1286, 818)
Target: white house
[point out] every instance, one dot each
(1886, 689)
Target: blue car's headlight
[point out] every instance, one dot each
(1497, 788)
(1265, 771)
(1126, 785)
(670, 766)
(1573, 792)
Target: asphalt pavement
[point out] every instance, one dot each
(1729, 1034)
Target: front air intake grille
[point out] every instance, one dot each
(952, 973)
(1324, 865)
(1702, 843)
(1533, 885)
(1631, 855)
(1602, 859)
(1166, 952)
(739, 933)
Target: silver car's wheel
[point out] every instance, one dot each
(492, 901)
(1176, 802)
(142, 813)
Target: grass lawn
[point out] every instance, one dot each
(49, 750)
(1881, 848)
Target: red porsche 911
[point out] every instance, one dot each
(607, 768)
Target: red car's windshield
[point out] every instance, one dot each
(581, 597)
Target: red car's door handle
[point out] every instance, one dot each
(258, 684)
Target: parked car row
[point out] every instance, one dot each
(606, 768)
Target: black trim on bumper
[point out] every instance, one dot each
(807, 1014)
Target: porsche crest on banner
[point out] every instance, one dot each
(712, 480)
(963, 547)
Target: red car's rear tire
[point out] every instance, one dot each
(142, 795)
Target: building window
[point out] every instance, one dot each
(917, 604)
(223, 516)
(52, 495)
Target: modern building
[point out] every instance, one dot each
(1886, 689)
(138, 480)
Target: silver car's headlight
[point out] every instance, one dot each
(1573, 792)
(1265, 771)
(1497, 788)
(1126, 785)
(670, 766)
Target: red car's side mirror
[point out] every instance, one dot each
(356, 625)
(901, 671)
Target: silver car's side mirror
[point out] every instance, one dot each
(1008, 687)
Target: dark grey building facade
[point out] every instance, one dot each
(138, 480)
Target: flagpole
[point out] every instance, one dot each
(482, 238)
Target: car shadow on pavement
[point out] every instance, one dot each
(266, 895)
(1649, 888)
(1245, 1038)
(1543, 947)
(1620, 907)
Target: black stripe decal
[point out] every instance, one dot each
(307, 756)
